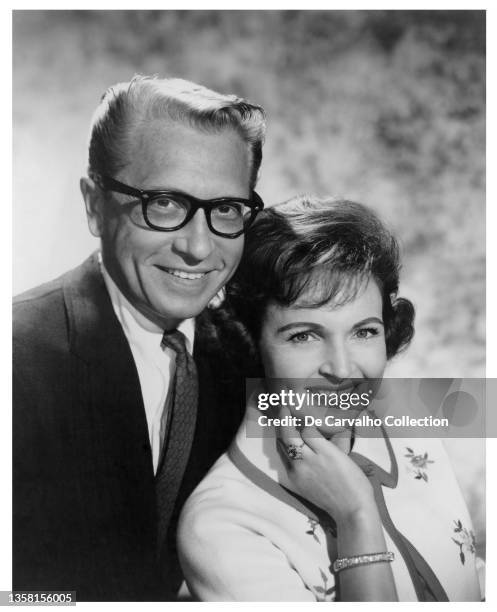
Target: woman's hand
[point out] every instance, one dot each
(326, 475)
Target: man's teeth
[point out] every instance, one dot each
(189, 275)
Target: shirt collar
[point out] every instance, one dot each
(135, 325)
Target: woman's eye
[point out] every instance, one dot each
(366, 332)
(300, 337)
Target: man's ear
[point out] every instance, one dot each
(94, 203)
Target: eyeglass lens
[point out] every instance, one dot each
(168, 212)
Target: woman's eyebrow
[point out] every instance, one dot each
(308, 324)
(367, 321)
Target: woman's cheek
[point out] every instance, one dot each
(288, 363)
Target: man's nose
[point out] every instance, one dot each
(194, 242)
(337, 363)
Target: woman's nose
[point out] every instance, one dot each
(336, 362)
(194, 242)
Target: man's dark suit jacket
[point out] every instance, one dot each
(84, 515)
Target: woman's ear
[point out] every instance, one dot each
(94, 203)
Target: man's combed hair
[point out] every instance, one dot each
(125, 107)
(310, 252)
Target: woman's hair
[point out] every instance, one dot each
(125, 107)
(310, 252)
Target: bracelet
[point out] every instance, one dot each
(346, 562)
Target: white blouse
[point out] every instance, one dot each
(243, 535)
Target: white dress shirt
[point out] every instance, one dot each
(155, 365)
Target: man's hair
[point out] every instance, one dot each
(310, 252)
(125, 107)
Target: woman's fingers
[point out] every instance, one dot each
(289, 441)
(288, 434)
(315, 440)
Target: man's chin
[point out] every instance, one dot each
(174, 316)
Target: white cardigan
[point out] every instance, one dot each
(242, 537)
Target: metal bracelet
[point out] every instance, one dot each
(346, 562)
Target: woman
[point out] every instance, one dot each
(316, 513)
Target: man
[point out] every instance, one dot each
(114, 422)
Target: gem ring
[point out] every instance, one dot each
(294, 451)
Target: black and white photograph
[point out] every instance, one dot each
(216, 216)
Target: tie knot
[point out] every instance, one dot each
(175, 340)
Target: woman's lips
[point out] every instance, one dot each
(339, 389)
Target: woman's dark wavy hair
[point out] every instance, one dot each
(310, 251)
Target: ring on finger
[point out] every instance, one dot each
(294, 451)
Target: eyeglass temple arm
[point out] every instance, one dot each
(107, 182)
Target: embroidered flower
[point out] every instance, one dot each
(419, 464)
(322, 592)
(465, 540)
(327, 524)
(313, 523)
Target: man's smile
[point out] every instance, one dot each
(184, 274)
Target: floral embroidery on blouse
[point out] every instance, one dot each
(465, 540)
(327, 524)
(313, 523)
(323, 592)
(419, 464)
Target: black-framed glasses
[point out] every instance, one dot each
(166, 211)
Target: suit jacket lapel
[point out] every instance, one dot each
(111, 385)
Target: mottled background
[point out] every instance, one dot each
(385, 107)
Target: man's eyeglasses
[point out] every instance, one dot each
(166, 211)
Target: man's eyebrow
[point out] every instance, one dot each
(186, 194)
(308, 324)
(368, 320)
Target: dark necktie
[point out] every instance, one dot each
(177, 428)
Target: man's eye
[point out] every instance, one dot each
(228, 210)
(164, 210)
(166, 204)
